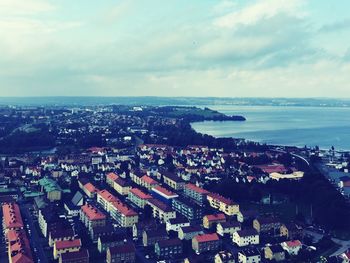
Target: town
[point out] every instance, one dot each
(137, 184)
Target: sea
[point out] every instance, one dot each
(284, 125)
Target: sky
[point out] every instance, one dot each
(228, 48)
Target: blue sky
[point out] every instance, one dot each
(267, 48)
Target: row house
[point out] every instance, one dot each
(89, 189)
(105, 242)
(223, 204)
(121, 186)
(249, 256)
(148, 182)
(106, 199)
(163, 194)
(267, 224)
(151, 236)
(138, 197)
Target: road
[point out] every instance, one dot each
(35, 238)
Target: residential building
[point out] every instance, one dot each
(12, 219)
(110, 178)
(223, 204)
(267, 224)
(152, 236)
(18, 246)
(106, 200)
(246, 237)
(275, 252)
(89, 189)
(51, 188)
(72, 207)
(291, 231)
(175, 224)
(206, 242)
(227, 228)
(195, 193)
(91, 216)
(61, 247)
(124, 215)
(211, 220)
(249, 256)
(121, 254)
(104, 242)
(163, 194)
(138, 197)
(292, 247)
(148, 182)
(224, 257)
(173, 181)
(169, 248)
(161, 211)
(187, 208)
(189, 232)
(121, 186)
(81, 256)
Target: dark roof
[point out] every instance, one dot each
(83, 253)
(230, 224)
(127, 248)
(191, 229)
(112, 238)
(247, 232)
(163, 206)
(268, 220)
(170, 242)
(250, 252)
(77, 198)
(172, 177)
(156, 233)
(103, 229)
(276, 248)
(178, 220)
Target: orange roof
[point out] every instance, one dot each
(197, 189)
(220, 216)
(19, 247)
(12, 216)
(207, 237)
(91, 188)
(123, 209)
(107, 196)
(139, 193)
(112, 176)
(63, 244)
(92, 212)
(148, 179)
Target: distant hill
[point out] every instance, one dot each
(162, 101)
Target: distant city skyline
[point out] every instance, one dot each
(261, 48)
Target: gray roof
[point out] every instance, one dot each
(77, 198)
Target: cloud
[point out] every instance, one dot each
(27, 7)
(260, 10)
(336, 26)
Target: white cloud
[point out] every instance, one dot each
(263, 9)
(24, 7)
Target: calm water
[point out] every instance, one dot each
(297, 126)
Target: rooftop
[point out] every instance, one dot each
(207, 237)
(63, 244)
(196, 189)
(140, 193)
(92, 212)
(12, 216)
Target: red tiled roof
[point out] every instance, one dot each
(216, 217)
(12, 216)
(107, 196)
(112, 176)
(92, 212)
(77, 255)
(293, 243)
(19, 247)
(124, 209)
(197, 189)
(62, 244)
(140, 194)
(222, 199)
(148, 179)
(91, 188)
(207, 237)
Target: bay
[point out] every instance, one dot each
(284, 125)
